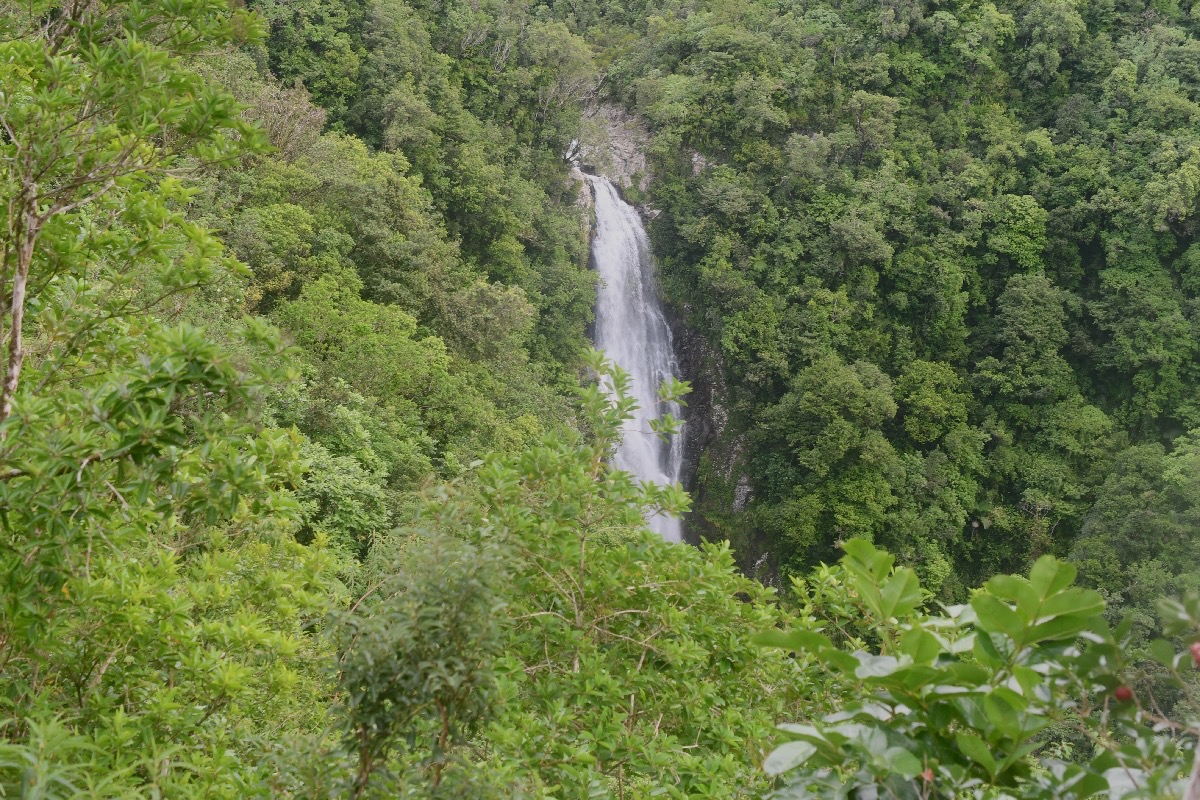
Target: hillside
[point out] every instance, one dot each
(306, 468)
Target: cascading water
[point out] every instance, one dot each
(632, 331)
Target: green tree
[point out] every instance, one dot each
(158, 612)
(965, 702)
(1136, 544)
(317, 44)
(419, 647)
(98, 109)
(842, 464)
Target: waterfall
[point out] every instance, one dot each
(632, 331)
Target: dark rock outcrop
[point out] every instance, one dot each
(613, 143)
(716, 450)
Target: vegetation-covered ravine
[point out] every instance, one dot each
(306, 482)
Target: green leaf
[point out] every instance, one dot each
(996, 616)
(920, 645)
(1162, 652)
(1010, 587)
(968, 674)
(1005, 709)
(787, 757)
(795, 641)
(901, 594)
(1175, 616)
(873, 559)
(974, 748)
(1050, 576)
(1064, 627)
(873, 666)
(902, 762)
(1072, 601)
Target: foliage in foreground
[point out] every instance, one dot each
(622, 665)
(1021, 693)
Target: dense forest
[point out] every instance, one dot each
(305, 464)
(948, 257)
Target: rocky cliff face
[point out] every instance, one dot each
(613, 143)
(585, 199)
(715, 465)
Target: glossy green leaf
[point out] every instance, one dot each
(974, 748)
(787, 757)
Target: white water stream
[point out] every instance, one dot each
(632, 331)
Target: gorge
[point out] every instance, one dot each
(632, 330)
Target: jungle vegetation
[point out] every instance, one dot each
(304, 480)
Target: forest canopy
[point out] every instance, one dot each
(306, 486)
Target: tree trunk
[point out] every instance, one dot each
(1192, 792)
(16, 350)
(365, 764)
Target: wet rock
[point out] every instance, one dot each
(716, 458)
(585, 199)
(741, 493)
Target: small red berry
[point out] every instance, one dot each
(1196, 653)
(1123, 694)
(927, 775)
